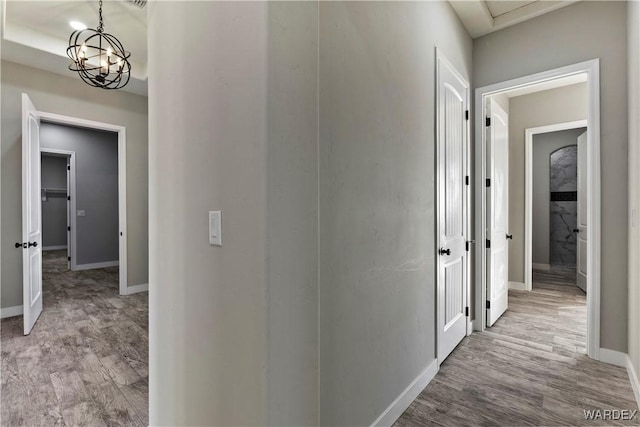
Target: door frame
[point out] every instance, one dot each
(441, 60)
(122, 185)
(592, 69)
(71, 193)
(528, 190)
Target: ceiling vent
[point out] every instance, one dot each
(140, 3)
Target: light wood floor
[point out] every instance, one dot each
(530, 368)
(85, 362)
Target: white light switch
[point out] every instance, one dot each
(81, 213)
(215, 228)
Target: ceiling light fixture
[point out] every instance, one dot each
(77, 25)
(98, 57)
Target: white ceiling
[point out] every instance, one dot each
(36, 33)
(482, 17)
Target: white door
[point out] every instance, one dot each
(31, 215)
(581, 241)
(497, 211)
(452, 210)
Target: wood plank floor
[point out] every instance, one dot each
(85, 362)
(530, 368)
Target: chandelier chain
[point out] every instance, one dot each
(101, 25)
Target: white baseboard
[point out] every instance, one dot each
(613, 357)
(402, 402)
(54, 248)
(79, 267)
(519, 286)
(633, 377)
(137, 289)
(10, 311)
(537, 266)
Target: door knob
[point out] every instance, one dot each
(576, 230)
(445, 251)
(21, 245)
(34, 244)
(510, 236)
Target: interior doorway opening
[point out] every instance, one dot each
(490, 280)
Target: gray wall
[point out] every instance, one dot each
(54, 93)
(97, 233)
(564, 104)
(543, 145)
(207, 150)
(582, 31)
(54, 209)
(292, 213)
(377, 212)
(248, 125)
(633, 58)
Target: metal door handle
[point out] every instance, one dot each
(34, 244)
(21, 245)
(445, 251)
(510, 236)
(576, 230)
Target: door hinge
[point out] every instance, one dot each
(68, 228)
(466, 246)
(488, 304)
(488, 244)
(68, 258)
(488, 182)
(68, 197)
(68, 167)
(487, 121)
(466, 311)
(466, 115)
(466, 180)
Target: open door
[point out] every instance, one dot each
(582, 220)
(452, 209)
(497, 211)
(31, 215)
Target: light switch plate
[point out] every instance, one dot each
(81, 213)
(215, 228)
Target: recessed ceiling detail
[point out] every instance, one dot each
(481, 17)
(36, 33)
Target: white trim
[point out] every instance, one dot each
(122, 186)
(91, 266)
(402, 402)
(592, 69)
(137, 289)
(529, 133)
(54, 248)
(613, 357)
(14, 311)
(633, 378)
(537, 266)
(518, 286)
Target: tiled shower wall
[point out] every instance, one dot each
(563, 186)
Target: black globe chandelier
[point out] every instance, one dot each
(99, 58)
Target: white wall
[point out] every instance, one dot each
(68, 96)
(633, 16)
(377, 211)
(582, 31)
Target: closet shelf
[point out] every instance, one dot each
(54, 190)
